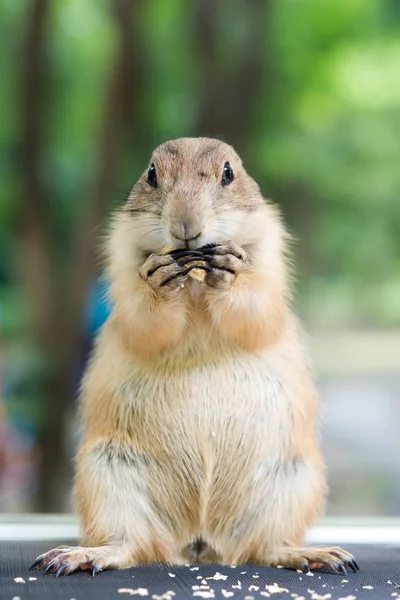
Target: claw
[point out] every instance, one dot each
(95, 569)
(354, 566)
(50, 565)
(209, 248)
(207, 257)
(179, 253)
(35, 564)
(350, 565)
(190, 259)
(342, 568)
(61, 570)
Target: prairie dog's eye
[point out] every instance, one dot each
(227, 174)
(152, 176)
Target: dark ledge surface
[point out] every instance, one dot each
(379, 573)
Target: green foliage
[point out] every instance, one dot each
(327, 123)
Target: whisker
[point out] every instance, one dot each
(154, 227)
(99, 226)
(228, 209)
(140, 211)
(150, 232)
(145, 219)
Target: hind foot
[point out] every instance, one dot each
(67, 559)
(305, 559)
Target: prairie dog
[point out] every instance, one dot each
(200, 416)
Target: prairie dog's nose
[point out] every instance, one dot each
(185, 230)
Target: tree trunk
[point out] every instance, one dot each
(34, 227)
(82, 268)
(228, 96)
(56, 314)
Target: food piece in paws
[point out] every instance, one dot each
(198, 274)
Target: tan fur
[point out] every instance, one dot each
(200, 417)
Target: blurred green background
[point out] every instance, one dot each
(308, 92)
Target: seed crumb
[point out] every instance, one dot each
(256, 576)
(218, 576)
(344, 581)
(249, 598)
(348, 598)
(315, 596)
(367, 587)
(19, 580)
(275, 589)
(238, 586)
(279, 566)
(265, 594)
(299, 571)
(309, 574)
(254, 588)
(32, 579)
(204, 594)
(172, 574)
(132, 592)
(194, 569)
(227, 594)
(243, 572)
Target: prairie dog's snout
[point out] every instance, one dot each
(186, 230)
(186, 214)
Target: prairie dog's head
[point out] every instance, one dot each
(194, 191)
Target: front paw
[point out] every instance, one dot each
(227, 261)
(164, 275)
